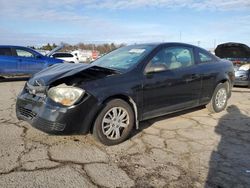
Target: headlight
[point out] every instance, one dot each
(66, 95)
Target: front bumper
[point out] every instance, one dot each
(239, 82)
(50, 117)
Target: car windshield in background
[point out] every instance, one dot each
(125, 58)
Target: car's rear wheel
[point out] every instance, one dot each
(114, 123)
(219, 99)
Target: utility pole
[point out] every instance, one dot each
(198, 43)
(180, 36)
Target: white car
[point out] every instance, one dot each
(83, 55)
(68, 57)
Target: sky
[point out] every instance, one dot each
(205, 23)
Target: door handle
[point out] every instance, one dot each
(192, 77)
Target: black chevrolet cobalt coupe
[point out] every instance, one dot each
(110, 96)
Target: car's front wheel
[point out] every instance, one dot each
(219, 98)
(114, 123)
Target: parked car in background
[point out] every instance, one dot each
(111, 95)
(85, 56)
(242, 75)
(18, 60)
(68, 57)
(239, 54)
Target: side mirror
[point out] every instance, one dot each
(156, 68)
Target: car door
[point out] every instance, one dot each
(207, 67)
(27, 61)
(8, 63)
(175, 88)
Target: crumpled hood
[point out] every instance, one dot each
(55, 72)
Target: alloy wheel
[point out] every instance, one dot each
(114, 122)
(221, 98)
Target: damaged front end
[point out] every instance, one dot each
(55, 101)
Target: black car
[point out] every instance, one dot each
(110, 96)
(239, 54)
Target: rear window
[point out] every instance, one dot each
(5, 51)
(62, 55)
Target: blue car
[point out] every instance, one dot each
(17, 60)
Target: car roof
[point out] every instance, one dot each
(62, 53)
(165, 43)
(172, 44)
(13, 46)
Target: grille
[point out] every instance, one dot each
(26, 113)
(49, 125)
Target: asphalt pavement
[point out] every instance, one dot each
(193, 148)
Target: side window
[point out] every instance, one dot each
(24, 53)
(62, 55)
(173, 58)
(5, 51)
(204, 57)
(69, 55)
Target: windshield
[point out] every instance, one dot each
(125, 58)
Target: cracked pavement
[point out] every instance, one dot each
(187, 149)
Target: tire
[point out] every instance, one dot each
(108, 124)
(219, 99)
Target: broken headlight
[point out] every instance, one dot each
(65, 95)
